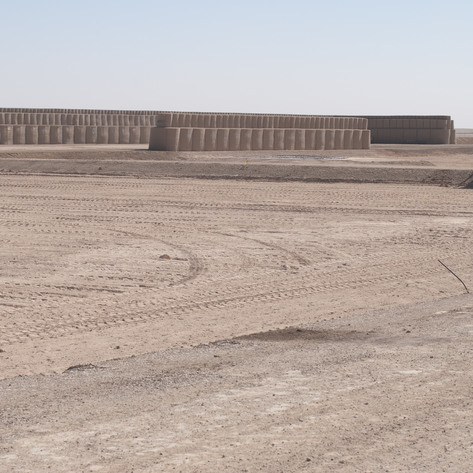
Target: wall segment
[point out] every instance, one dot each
(84, 126)
(245, 132)
(412, 129)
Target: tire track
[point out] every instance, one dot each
(105, 236)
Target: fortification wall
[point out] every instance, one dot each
(412, 129)
(84, 126)
(239, 120)
(244, 132)
(73, 134)
(246, 139)
(218, 131)
(71, 126)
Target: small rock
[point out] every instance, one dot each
(164, 257)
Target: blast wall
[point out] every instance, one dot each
(412, 129)
(246, 139)
(245, 132)
(75, 126)
(218, 131)
(84, 126)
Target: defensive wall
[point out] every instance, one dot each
(204, 131)
(242, 132)
(255, 131)
(73, 126)
(411, 129)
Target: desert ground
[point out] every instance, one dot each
(464, 136)
(239, 312)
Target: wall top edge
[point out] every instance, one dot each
(162, 112)
(408, 117)
(155, 112)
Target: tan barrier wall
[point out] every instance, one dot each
(6, 135)
(68, 135)
(202, 120)
(55, 136)
(31, 135)
(411, 129)
(73, 134)
(19, 135)
(245, 132)
(246, 139)
(134, 127)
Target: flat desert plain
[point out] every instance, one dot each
(243, 312)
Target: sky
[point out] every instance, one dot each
(338, 57)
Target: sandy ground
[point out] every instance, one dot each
(260, 322)
(464, 136)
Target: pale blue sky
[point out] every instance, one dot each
(316, 57)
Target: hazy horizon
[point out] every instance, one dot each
(306, 57)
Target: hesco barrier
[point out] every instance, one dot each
(196, 131)
(75, 126)
(412, 129)
(84, 126)
(246, 139)
(240, 132)
(73, 134)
